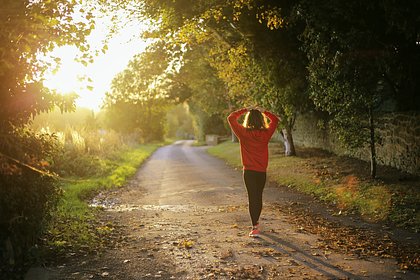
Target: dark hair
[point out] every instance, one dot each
(255, 120)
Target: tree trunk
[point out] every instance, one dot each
(234, 138)
(289, 146)
(150, 134)
(372, 146)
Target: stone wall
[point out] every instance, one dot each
(399, 133)
(212, 139)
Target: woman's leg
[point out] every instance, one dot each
(254, 183)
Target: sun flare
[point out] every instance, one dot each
(92, 81)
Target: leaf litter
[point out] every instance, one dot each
(358, 242)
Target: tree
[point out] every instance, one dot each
(137, 99)
(244, 38)
(208, 100)
(269, 65)
(179, 123)
(27, 29)
(27, 194)
(360, 54)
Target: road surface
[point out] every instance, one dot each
(185, 216)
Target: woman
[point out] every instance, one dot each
(254, 136)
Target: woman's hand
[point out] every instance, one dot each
(261, 109)
(255, 107)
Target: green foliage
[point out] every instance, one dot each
(27, 29)
(344, 83)
(81, 143)
(55, 120)
(79, 164)
(266, 66)
(356, 56)
(179, 123)
(207, 100)
(27, 196)
(229, 152)
(206, 123)
(84, 152)
(207, 90)
(143, 120)
(26, 202)
(246, 52)
(137, 101)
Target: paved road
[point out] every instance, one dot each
(180, 174)
(184, 216)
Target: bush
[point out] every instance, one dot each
(78, 164)
(25, 204)
(27, 197)
(84, 153)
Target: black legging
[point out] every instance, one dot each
(254, 183)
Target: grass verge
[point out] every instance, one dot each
(344, 182)
(74, 227)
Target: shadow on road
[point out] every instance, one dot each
(305, 259)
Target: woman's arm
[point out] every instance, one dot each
(274, 120)
(233, 121)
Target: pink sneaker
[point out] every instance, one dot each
(255, 232)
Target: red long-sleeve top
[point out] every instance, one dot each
(254, 143)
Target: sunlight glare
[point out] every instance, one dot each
(73, 76)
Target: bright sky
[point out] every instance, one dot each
(121, 48)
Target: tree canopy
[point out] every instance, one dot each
(251, 46)
(137, 98)
(345, 59)
(357, 55)
(28, 29)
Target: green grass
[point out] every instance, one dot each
(228, 151)
(74, 225)
(198, 143)
(338, 181)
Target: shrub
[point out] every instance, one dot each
(27, 196)
(78, 164)
(84, 153)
